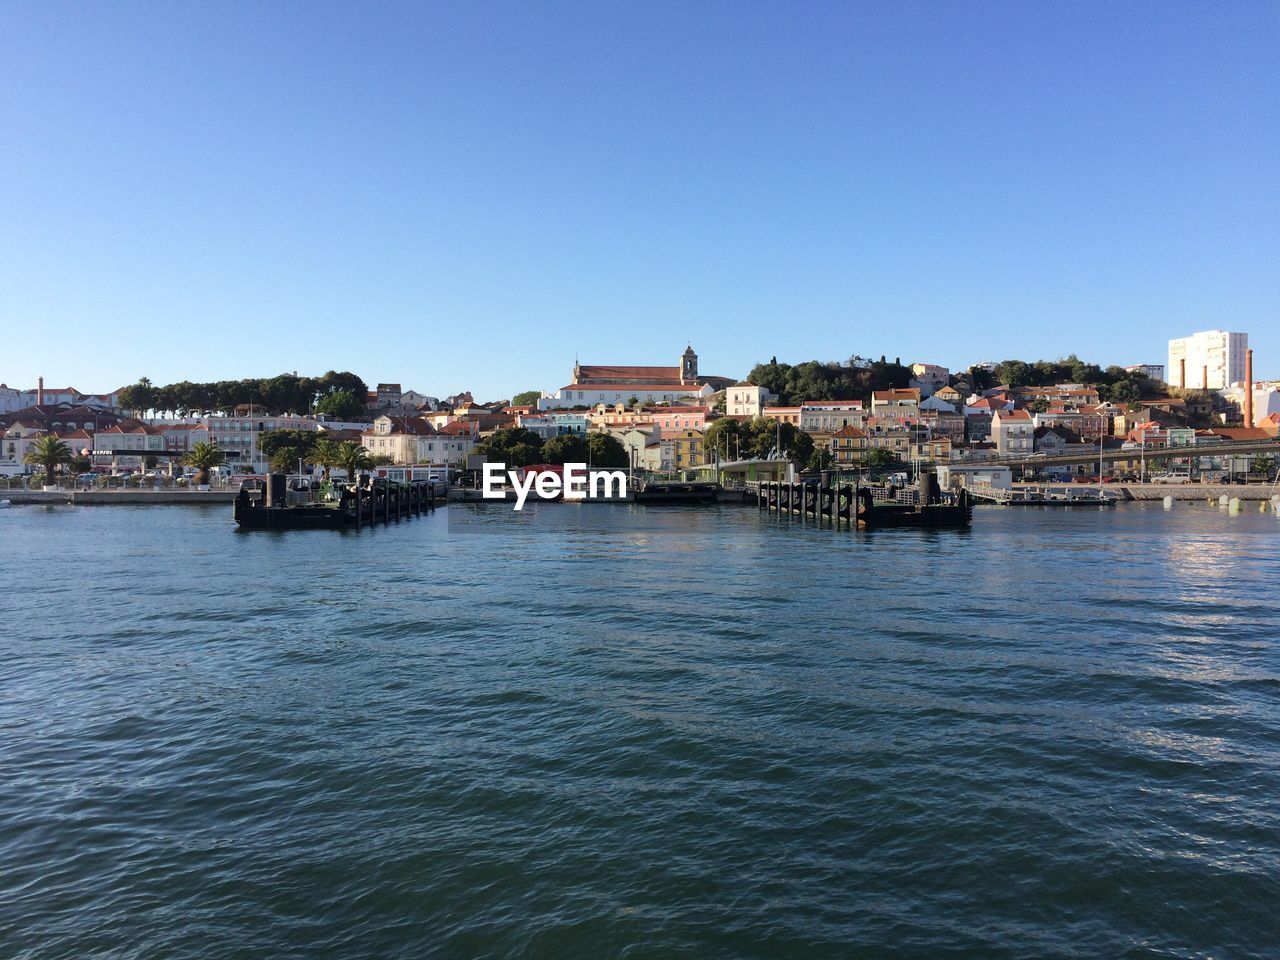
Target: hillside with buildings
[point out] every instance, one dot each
(672, 419)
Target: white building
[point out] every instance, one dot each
(1209, 360)
(589, 394)
(899, 404)
(636, 440)
(829, 416)
(10, 399)
(593, 384)
(416, 400)
(1154, 371)
(937, 405)
(237, 437)
(746, 400)
(411, 440)
(1266, 399)
(1013, 432)
(929, 378)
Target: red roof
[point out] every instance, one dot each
(1236, 433)
(671, 387)
(654, 374)
(413, 426)
(458, 428)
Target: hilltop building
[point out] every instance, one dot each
(593, 384)
(1209, 360)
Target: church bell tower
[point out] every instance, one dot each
(689, 366)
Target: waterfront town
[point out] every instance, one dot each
(675, 421)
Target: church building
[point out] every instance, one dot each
(594, 384)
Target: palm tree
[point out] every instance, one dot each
(353, 458)
(285, 459)
(326, 454)
(49, 452)
(204, 457)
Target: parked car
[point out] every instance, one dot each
(1170, 478)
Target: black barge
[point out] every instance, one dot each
(264, 504)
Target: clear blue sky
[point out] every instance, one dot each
(467, 195)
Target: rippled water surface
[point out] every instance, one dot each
(631, 732)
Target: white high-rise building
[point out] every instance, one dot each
(1212, 359)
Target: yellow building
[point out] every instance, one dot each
(682, 449)
(849, 446)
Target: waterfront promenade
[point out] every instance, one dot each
(1158, 491)
(146, 496)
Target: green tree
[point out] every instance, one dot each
(764, 435)
(772, 376)
(203, 457)
(341, 405)
(606, 450)
(723, 439)
(333, 381)
(514, 446)
(1126, 391)
(980, 378)
(286, 459)
(1264, 463)
(50, 453)
(526, 398)
(800, 449)
(138, 398)
(880, 459)
(326, 455)
(566, 448)
(354, 458)
(1014, 373)
(819, 460)
(301, 441)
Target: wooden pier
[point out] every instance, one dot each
(867, 505)
(265, 506)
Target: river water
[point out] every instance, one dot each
(639, 732)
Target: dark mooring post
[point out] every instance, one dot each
(359, 507)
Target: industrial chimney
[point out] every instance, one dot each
(1182, 373)
(40, 391)
(1248, 388)
(1204, 377)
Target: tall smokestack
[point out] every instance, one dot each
(40, 391)
(1204, 377)
(1248, 388)
(1182, 373)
